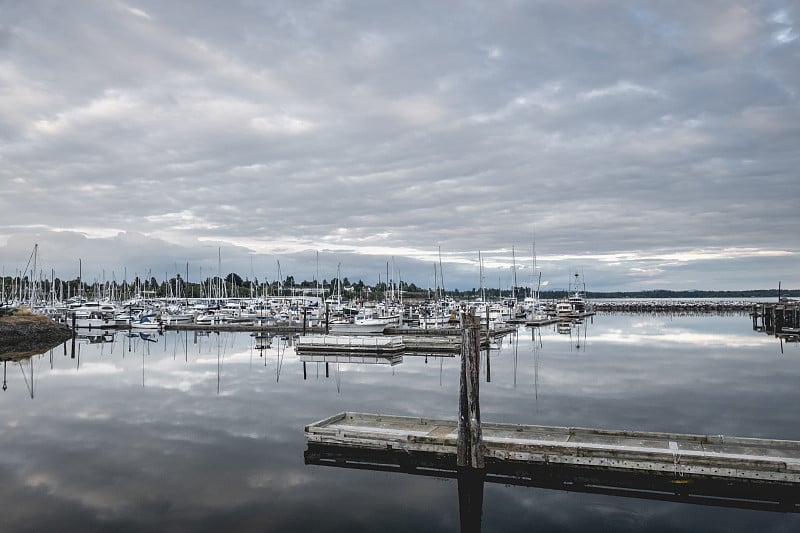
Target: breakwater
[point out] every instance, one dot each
(671, 306)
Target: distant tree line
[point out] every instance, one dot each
(234, 286)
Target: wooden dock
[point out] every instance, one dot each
(377, 344)
(679, 457)
(372, 344)
(381, 344)
(780, 319)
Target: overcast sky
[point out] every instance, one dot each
(645, 144)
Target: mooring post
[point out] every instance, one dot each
(470, 440)
(487, 324)
(488, 366)
(327, 329)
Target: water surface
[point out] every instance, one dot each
(191, 432)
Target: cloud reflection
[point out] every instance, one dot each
(100, 451)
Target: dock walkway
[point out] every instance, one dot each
(675, 455)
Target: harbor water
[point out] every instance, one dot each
(203, 431)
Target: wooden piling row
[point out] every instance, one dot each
(782, 318)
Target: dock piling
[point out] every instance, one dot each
(470, 439)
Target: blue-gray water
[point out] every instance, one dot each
(201, 433)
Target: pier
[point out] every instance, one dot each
(779, 319)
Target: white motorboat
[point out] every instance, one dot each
(145, 321)
(360, 326)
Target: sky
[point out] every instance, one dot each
(645, 145)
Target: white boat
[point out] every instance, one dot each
(123, 320)
(563, 308)
(145, 321)
(94, 314)
(177, 317)
(575, 304)
(360, 326)
(440, 321)
(92, 319)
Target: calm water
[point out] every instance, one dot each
(181, 432)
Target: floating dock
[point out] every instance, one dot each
(377, 344)
(372, 344)
(382, 344)
(678, 457)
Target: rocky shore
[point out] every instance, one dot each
(23, 336)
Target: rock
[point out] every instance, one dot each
(23, 336)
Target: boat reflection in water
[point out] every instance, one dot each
(94, 336)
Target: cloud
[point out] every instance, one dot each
(274, 132)
(137, 12)
(621, 88)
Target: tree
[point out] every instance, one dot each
(234, 279)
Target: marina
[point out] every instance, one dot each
(476, 267)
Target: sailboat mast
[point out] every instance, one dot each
(513, 275)
(280, 284)
(480, 276)
(441, 271)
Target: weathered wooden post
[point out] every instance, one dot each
(470, 440)
(327, 318)
(487, 324)
(488, 366)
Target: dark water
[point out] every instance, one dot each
(201, 433)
